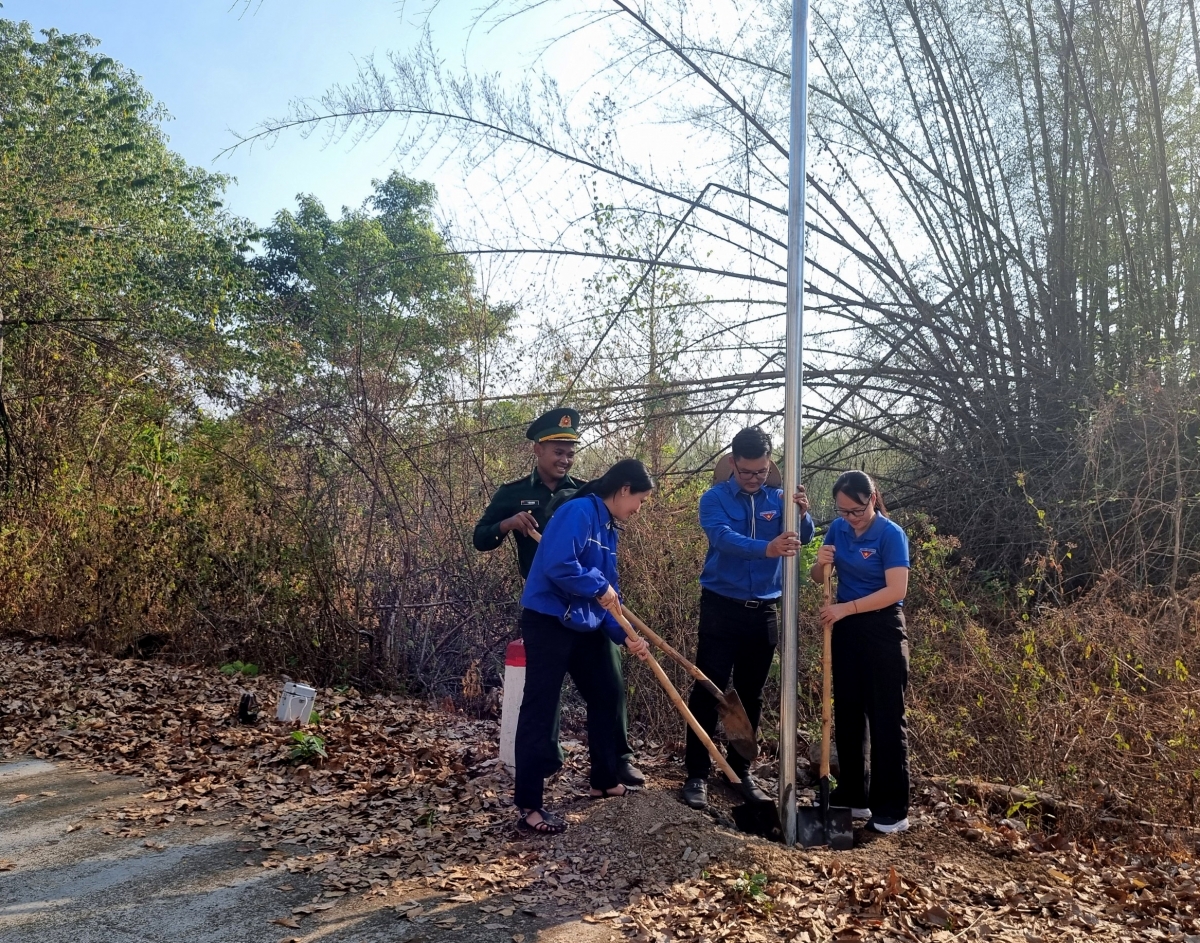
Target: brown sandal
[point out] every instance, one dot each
(610, 794)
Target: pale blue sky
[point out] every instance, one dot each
(219, 66)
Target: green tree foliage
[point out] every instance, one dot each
(120, 280)
(376, 299)
(372, 333)
(118, 270)
(211, 448)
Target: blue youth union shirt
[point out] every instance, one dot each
(739, 526)
(862, 561)
(575, 563)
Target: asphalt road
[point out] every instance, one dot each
(64, 880)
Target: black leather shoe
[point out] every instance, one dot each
(695, 793)
(750, 789)
(629, 774)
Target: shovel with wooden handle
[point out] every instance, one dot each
(730, 711)
(820, 824)
(757, 816)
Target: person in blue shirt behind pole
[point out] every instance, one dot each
(740, 587)
(870, 652)
(568, 627)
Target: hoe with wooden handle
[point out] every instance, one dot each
(730, 711)
(757, 816)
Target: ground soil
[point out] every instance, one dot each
(134, 807)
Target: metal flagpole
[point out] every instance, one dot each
(792, 433)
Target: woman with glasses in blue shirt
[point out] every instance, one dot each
(870, 652)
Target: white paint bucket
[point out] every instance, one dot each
(296, 702)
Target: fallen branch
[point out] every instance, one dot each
(1114, 820)
(999, 795)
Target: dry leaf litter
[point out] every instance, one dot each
(412, 811)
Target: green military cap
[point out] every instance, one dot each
(556, 425)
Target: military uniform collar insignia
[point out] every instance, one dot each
(536, 479)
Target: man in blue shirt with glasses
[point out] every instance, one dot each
(740, 587)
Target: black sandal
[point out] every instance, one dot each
(609, 794)
(550, 824)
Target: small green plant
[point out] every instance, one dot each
(240, 668)
(1022, 807)
(307, 747)
(749, 885)
(314, 718)
(427, 820)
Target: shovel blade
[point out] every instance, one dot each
(836, 830)
(736, 724)
(839, 829)
(823, 824)
(748, 749)
(759, 818)
(810, 827)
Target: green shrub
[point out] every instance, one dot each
(243, 668)
(307, 747)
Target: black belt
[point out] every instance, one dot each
(747, 603)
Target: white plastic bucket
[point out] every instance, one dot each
(510, 708)
(296, 702)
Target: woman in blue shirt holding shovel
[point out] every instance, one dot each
(870, 652)
(568, 627)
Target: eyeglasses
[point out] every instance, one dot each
(852, 512)
(748, 473)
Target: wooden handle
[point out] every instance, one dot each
(670, 651)
(537, 536)
(680, 705)
(826, 683)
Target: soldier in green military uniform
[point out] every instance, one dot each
(520, 508)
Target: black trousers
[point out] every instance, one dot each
(734, 641)
(553, 651)
(870, 673)
(612, 662)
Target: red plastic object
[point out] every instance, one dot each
(514, 655)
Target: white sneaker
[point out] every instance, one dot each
(888, 825)
(860, 813)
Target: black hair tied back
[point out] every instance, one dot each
(628, 471)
